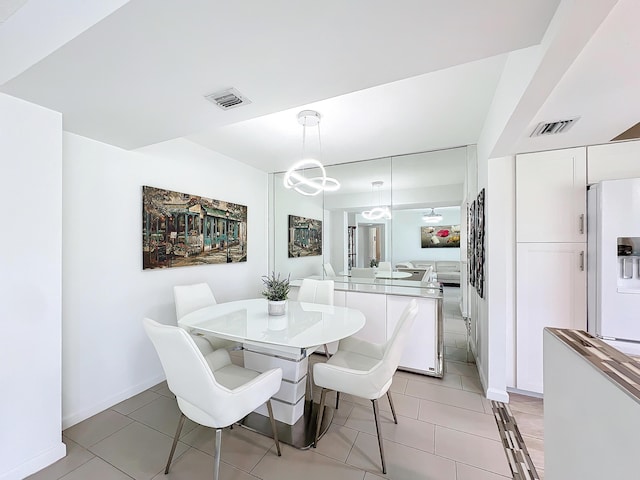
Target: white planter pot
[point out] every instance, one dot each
(277, 308)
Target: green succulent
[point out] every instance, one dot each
(276, 289)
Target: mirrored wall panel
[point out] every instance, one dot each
(394, 220)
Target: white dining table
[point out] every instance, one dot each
(280, 341)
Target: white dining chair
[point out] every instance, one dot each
(428, 276)
(210, 390)
(384, 267)
(363, 272)
(316, 291)
(328, 270)
(189, 298)
(365, 370)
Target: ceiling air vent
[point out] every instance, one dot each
(551, 128)
(228, 99)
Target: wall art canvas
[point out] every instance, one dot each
(479, 255)
(179, 229)
(471, 246)
(305, 237)
(440, 236)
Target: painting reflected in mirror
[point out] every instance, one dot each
(305, 237)
(445, 236)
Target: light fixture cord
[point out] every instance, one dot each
(304, 145)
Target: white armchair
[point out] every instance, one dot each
(328, 270)
(210, 390)
(189, 298)
(384, 267)
(316, 291)
(365, 370)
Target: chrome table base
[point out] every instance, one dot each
(299, 435)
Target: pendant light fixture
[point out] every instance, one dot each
(431, 217)
(295, 177)
(379, 212)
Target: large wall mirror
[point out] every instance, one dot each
(377, 217)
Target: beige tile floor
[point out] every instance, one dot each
(445, 431)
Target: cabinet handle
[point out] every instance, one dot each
(582, 224)
(582, 261)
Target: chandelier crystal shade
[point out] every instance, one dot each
(296, 177)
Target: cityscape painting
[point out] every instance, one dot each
(179, 229)
(305, 237)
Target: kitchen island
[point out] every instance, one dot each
(382, 302)
(591, 408)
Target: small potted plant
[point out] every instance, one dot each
(276, 292)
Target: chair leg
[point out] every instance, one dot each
(326, 351)
(393, 410)
(274, 427)
(376, 414)
(216, 454)
(308, 394)
(175, 442)
(323, 397)
(337, 399)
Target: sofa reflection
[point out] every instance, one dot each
(446, 271)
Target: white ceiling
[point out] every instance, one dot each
(9, 7)
(388, 78)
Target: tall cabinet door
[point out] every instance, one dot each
(551, 292)
(551, 196)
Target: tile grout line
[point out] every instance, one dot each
(520, 463)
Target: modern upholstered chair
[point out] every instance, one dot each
(365, 370)
(189, 298)
(317, 291)
(427, 273)
(363, 272)
(328, 270)
(384, 267)
(210, 390)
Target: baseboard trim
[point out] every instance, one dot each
(77, 417)
(37, 463)
(526, 393)
(498, 395)
(492, 393)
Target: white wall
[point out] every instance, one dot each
(613, 161)
(30, 293)
(406, 235)
(106, 355)
(500, 278)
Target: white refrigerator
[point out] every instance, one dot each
(613, 263)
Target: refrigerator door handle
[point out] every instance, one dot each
(582, 224)
(582, 261)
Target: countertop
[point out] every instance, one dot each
(620, 369)
(399, 287)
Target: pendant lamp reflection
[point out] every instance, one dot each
(379, 212)
(431, 217)
(296, 177)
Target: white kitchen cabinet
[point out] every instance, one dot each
(551, 196)
(420, 353)
(551, 292)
